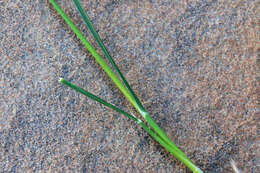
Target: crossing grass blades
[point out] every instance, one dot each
(149, 125)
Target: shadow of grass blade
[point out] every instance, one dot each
(87, 21)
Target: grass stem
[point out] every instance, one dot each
(96, 98)
(95, 34)
(140, 108)
(158, 134)
(138, 121)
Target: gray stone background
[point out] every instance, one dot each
(194, 64)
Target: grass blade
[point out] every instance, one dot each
(165, 141)
(96, 98)
(138, 121)
(94, 53)
(87, 21)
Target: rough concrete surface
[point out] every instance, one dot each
(194, 63)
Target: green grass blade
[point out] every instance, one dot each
(98, 99)
(175, 153)
(87, 21)
(94, 53)
(142, 124)
(111, 74)
(162, 134)
(119, 84)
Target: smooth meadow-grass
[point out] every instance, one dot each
(150, 126)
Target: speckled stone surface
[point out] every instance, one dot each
(195, 65)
